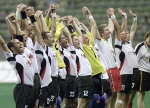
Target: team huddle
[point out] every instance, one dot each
(61, 63)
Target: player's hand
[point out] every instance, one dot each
(11, 17)
(86, 12)
(120, 11)
(131, 13)
(53, 8)
(38, 13)
(110, 12)
(21, 7)
(30, 11)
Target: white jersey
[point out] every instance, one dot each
(101, 58)
(62, 73)
(84, 65)
(32, 57)
(10, 58)
(107, 51)
(23, 67)
(69, 57)
(129, 59)
(53, 61)
(43, 64)
(29, 44)
(143, 56)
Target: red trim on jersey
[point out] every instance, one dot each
(121, 65)
(43, 73)
(69, 70)
(30, 56)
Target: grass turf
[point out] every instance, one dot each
(6, 97)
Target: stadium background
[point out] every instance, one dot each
(73, 7)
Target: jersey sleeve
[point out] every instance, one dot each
(91, 38)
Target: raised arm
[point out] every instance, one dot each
(134, 25)
(110, 25)
(41, 22)
(89, 17)
(68, 35)
(11, 27)
(124, 20)
(3, 44)
(51, 10)
(21, 16)
(111, 14)
(76, 26)
(53, 27)
(36, 30)
(84, 27)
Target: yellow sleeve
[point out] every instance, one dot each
(91, 38)
(48, 22)
(61, 63)
(59, 28)
(76, 33)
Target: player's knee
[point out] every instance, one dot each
(119, 101)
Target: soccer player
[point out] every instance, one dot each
(48, 38)
(69, 56)
(85, 90)
(142, 77)
(124, 56)
(44, 66)
(106, 53)
(24, 94)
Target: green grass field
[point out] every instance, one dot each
(6, 97)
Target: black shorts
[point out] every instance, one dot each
(24, 96)
(141, 80)
(48, 95)
(71, 87)
(55, 86)
(61, 87)
(85, 87)
(106, 87)
(126, 82)
(97, 84)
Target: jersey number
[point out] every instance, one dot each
(85, 92)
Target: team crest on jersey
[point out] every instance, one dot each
(29, 63)
(72, 56)
(30, 56)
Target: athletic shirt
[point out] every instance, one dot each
(96, 64)
(10, 58)
(29, 44)
(143, 56)
(69, 57)
(23, 67)
(101, 58)
(59, 29)
(43, 64)
(107, 51)
(61, 63)
(84, 65)
(32, 57)
(125, 57)
(53, 61)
